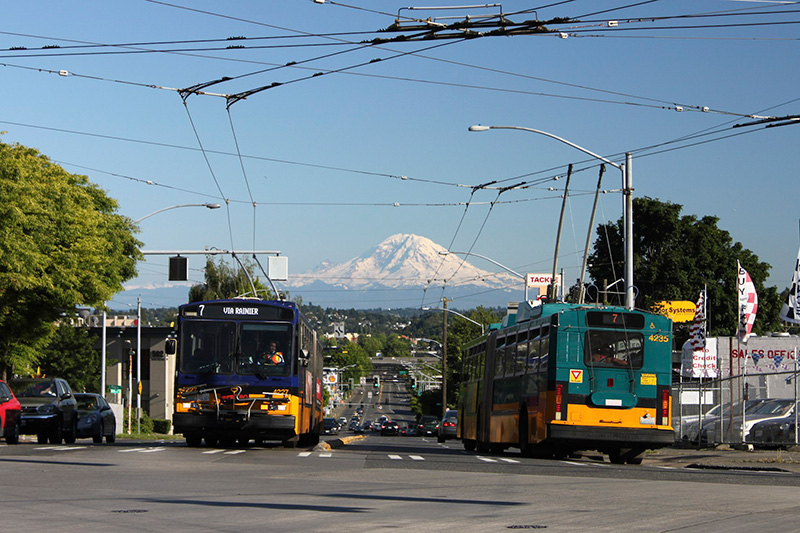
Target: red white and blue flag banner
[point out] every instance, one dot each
(697, 331)
(790, 312)
(748, 302)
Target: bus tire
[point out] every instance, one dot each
(193, 440)
(524, 445)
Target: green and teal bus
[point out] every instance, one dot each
(557, 378)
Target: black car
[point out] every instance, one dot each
(49, 409)
(388, 427)
(330, 426)
(428, 425)
(95, 418)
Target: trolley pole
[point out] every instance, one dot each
(444, 356)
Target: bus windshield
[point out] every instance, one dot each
(614, 348)
(221, 347)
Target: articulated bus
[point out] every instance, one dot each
(247, 369)
(557, 378)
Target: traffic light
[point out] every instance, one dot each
(413, 383)
(376, 382)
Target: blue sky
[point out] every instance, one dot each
(324, 156)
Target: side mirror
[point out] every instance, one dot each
(171, 346)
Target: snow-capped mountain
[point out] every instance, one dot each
(401, 271)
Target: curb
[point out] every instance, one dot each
(337, 443)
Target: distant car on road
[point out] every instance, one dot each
(48, 409)
(330, 426)
(95, 418)
(9, 414)
(428, 425)
(408, 430)
(390, 427)
(448, 427)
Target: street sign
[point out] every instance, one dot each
(114, 389)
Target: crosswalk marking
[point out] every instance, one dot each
(325, 454)
(509, 460)
(487, 459)
(234, 452)
(143, 450)
(304, 454)
(417, 457)
(211, 452)
(395, 457)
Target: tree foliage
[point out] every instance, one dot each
(71, 355)
(224, 281)
(62, 244)
(675, 256)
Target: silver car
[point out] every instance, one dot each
(448, 426)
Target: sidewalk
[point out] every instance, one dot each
(725, 457)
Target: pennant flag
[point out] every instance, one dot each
(748, 302)
(697, 331)
(790, 312)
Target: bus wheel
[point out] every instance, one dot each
(524, 446)
(210, 441)
(193, 440)
(469, 445)
(290, 443)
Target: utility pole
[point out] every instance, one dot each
(444, 356)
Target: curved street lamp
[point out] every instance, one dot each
(522, 276)
(483, 328)
(627, 206)
(209, 206)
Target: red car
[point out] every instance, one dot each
(9, 414)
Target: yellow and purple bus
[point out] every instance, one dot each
(247, 369)
(557, 378)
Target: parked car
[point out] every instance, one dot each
(48, 409)
(330, 426)
(732, 430)
(95, 418)
(428, 425)
(695, 433)
(9, 414)
(449, 425)
(774, 431)
(389, 427)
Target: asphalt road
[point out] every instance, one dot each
(375, 483)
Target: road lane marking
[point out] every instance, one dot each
(417, 457)
(325, 454)
(304, 454)
(235, 452)
(509, 460)
(487, 459)
(395, 457)
(211, 452)
(62, 448)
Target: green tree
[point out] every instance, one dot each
(224, 281)
(676, 255)
(71, 355)
(62, 244)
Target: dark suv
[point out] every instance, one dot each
(49, 409)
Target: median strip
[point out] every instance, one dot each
(337, 443)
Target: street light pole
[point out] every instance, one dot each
(444, 357)
(627, 206)
(483, 328)
(209, 206)
(524, 278)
